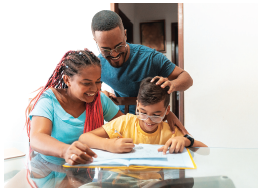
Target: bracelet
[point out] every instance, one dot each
(190, 138)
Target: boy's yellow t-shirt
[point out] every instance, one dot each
(128, 126)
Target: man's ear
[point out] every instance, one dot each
(66, 80)
(168, 110)
(125, 35)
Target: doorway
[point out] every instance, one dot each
(134, 13)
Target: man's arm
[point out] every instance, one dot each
(178, 80)
(174, 121)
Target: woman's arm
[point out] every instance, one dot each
(42, 142)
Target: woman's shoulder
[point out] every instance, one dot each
(104, 99)
(59, 94)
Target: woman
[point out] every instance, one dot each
(70, 103)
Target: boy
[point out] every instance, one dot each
(146, 126)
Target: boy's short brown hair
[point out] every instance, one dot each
(149, 93)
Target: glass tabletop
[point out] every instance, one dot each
(216, 168)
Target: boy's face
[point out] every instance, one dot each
(157, 109)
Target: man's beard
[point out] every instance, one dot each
(117, 64)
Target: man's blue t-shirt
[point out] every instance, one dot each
(65, 127)
(143, 62)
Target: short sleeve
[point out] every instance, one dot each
(110, 109)
(43, 108)
(116, 124)
(163, 65)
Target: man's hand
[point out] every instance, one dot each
(108, 94)
(176, 145)
(164, 81)
(121, 145)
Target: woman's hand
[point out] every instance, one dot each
(176, 145)
(121, 145)
(78, 153)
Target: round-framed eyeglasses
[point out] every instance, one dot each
(109, 52)
(143, 117)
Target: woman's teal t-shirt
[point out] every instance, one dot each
(65, 127)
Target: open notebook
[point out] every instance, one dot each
(143, 155)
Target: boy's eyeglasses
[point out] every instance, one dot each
(155, 119)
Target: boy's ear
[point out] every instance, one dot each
(168, 110)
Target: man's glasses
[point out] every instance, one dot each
(143, 117)
(109, 52)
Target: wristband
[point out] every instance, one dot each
(190, 138)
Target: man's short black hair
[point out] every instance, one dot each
(106, 20)
(150, 93)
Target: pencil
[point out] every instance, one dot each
(118, 134)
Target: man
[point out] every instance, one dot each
(125, 65)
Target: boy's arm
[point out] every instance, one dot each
(99, 139)
(195, 144)
(96, 139)
(177, 144)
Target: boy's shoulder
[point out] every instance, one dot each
(128, 117)
(166, 128)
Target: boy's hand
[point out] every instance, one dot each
(176, 145)
(121, 145)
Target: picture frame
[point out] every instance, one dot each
(152, 34)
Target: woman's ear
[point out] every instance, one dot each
(66, 80)
(168, 110)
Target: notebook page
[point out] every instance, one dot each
(142, 151)
(173, 160)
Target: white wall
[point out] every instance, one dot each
(35, 36)
(220, 53)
